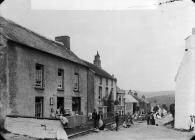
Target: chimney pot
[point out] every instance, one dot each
(65, 40)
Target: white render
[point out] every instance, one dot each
(185, 86)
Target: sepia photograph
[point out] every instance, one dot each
(97, 69)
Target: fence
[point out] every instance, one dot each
(76, 120)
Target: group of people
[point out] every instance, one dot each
(128, 121)
(60, 114)
(97, 120)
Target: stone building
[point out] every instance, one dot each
(37, 75)
(185, 85)
(104, 84)
(120, 107)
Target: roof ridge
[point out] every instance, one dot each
(96, 69)
(47, 45)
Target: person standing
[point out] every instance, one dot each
(148, 118)
(152, 119)
(95, 118)
(117, 121)
(191, 123)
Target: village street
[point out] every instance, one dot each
(140, 131)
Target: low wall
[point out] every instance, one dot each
(73, 121)
(76, 120)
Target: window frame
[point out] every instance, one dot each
(42, 76)
(100, 93)
(112, 83)
(106, 81)
(62, 78)
(106, 91)
(100, 82)
(76, 74)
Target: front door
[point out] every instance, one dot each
(39, 106)
(76, 105)
(60, 102)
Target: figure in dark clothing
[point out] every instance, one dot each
(95, 118)
(117, 121)
(148, 118)
(152, 119)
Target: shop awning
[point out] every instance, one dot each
(130, 99)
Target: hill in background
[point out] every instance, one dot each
(160, 98)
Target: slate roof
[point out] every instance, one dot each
(99, 71)
(19, 34)
(139, 99)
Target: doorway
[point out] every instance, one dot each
(39, 106)
(76, 105)
(60, 102)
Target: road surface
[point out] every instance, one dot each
(139, 131)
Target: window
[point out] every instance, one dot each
(100, 80)
(39, 76)
(60, 79)
(106, 81)
(76, 82)
(120, 100)
(106, 94)
(100, 92)
(112, 83)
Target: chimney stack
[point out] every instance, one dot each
(65, 40)
(97, 60)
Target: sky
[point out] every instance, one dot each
(143, 48)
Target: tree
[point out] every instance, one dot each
(105, 101)
(116, 102)
(110, 103)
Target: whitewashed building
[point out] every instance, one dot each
(185, 85)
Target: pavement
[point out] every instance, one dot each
(140, 131)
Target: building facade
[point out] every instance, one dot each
(185, 86)
(104, 85)
(120, 105)
(39, 75)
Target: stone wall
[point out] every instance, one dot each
(3, 81)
